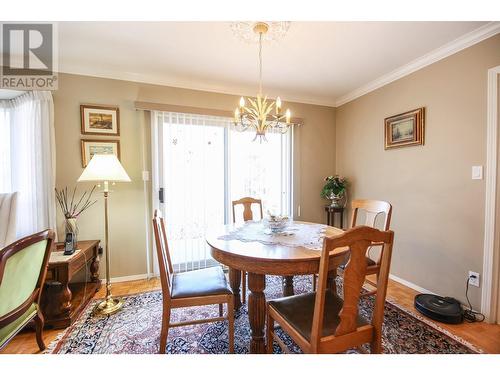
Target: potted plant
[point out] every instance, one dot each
(335, 189)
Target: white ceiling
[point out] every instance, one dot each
(316, 62)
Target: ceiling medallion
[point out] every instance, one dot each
(276, 30)
(262, 114)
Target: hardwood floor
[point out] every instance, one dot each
(483, 335)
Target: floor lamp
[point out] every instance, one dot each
(106, 169)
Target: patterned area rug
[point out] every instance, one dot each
(136, 329)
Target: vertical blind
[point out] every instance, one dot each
(201, 164)
(192, 175)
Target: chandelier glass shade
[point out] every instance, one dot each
(261, 113)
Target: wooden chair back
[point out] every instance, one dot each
(358, 240)
(372, 208)
(32, 253)
(163, 254)
(247, 208)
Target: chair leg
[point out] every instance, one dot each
(39, 322)
(165, 324)
(269, 334)
(230, 318)
(221, 309)
(376, 346)
(243, 287)
(314, 280)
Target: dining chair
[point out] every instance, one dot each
(8, 211)
(323, 322)
(23, 266)
(247, 203)
(371, 209)
(207, 286)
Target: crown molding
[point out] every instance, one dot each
(170, 81)
(465, 41)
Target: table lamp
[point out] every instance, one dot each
(105, 169)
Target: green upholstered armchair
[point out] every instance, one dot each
(23, 266)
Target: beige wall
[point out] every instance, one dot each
(438, 215)
(314, 147)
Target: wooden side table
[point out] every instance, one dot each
(330, 215)
(62, 300)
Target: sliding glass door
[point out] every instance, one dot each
(261, 170)
(199, 166)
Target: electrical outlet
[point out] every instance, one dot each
(474, 278)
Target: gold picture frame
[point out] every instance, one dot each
(405, 129)
(100, 119)
(90, 147)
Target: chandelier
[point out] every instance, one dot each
(261, 113)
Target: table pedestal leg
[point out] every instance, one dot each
(234, 282)
(288, 286)
(257, 311)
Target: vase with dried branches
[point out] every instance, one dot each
(72, 207)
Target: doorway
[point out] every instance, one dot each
(200, 165)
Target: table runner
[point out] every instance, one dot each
(58, 256)
(309, 236)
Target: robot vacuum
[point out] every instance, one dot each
(443, 309)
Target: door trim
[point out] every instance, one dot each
(489, 293)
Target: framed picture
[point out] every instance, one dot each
(100, 120)
(90, 147)
(405, 129)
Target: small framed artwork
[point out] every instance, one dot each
(90, 147)
(100, 120)
(405, 129)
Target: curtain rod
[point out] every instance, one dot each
(147, 106)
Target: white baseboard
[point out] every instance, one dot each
(420, 289)
(127, 278)
(410, 285)
(391, 276)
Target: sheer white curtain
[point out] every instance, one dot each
(5, 177)
(27, 159)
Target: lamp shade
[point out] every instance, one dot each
(104, 168)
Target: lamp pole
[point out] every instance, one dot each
(105, 168)
(110, 305)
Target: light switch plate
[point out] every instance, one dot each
(477, 172)
(145, 175)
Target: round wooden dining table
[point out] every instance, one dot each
(261, 259)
